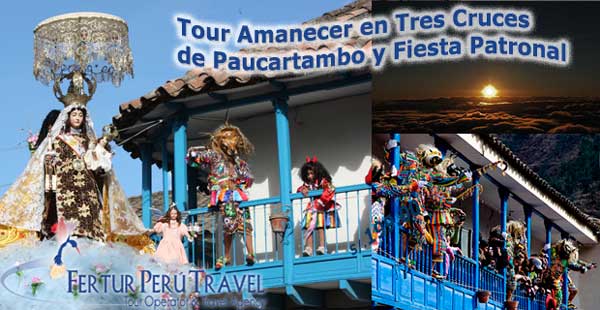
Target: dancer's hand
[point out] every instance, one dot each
(304, 191)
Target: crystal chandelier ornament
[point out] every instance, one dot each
(85, 49)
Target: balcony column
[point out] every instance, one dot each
(179, 164)
(285, 186)
(565, 286)
(146, 155)
(548, 226)
(165, 174)
(475, 238)
(527, 210)
(443, 147)
(503, 192)
(395, 202)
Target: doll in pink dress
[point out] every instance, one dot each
(170, 249)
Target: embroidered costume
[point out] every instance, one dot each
(228, 179)
(321, 212)
(227, 183)
(445, 178)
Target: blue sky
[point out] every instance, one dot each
(152, 37)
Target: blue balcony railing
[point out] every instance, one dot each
(208, 245)
(493, 282)
(520, 297)
(354, 214)
(539, 302)
(461, 272)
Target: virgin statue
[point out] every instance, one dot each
(70, 176)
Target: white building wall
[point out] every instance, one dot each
(588, 283)
(338, 133)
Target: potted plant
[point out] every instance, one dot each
(483, 296)
(279, 220)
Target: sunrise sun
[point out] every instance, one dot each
(489, 91)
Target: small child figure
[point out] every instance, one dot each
(170, 249)
(321, 212)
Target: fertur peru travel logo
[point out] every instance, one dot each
(143, 289)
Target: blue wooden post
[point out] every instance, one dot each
(165, 174)
(180, 167)
(503, 218)
(179, 164)
(548, 226)
(146, 154)
(565, 286)
(395, 203)
(527, 210)
(475, 240)
(285, 184)
(443, 147)
(192, 184)
(503, 209)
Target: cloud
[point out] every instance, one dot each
(561, 114)
(571, 128)
(545, 115)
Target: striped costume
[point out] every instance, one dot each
(321, 212)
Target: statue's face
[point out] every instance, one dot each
(229, 142)
(76, 119)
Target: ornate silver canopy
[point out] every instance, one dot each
(92, 45)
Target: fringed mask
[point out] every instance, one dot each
(231, 141)
(429, 155)
(517, 231)
(566, 249)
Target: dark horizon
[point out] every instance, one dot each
(576, 21)
(595, 97)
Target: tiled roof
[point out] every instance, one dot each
(555, 195)
(199, 81)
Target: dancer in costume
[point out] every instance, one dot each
(563, 254)
(229, 178)
(516, 250)
(407, 183)
(380, 204)
(494, 254)
(321, 212)
(170, 250)
(445, 178)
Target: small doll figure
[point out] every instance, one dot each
(320, 212)
(170, 249)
